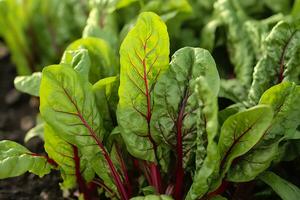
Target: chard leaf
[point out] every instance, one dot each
(238, 41)
(79, 60)
(175, 112)
(207, 156)
(68, 106)
(144, 56)
(218, 197)
(15, 160)
(296, 9)
(285, 189)
(280, 60)
(233, 90)
(37, 130)
(176, 109)
(153, 197)
(240, 132)
(103, 61)
(102, 24)
(106, 93)
(73, 167)
(29, 84)
(284, 99)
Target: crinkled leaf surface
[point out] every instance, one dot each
(176, 103)
(280, 61)
(144, 56)
(284, 99)
(238, 41)
(207, 156)
(29, 84)
(15, 160)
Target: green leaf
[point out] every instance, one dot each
(106, 93)
(37, 130)
(218, 197)
(103, 61)
(240, 132)
(230, 110)
(64, 155)
(79, 60)
(207, 156)
(153, 197)
(284, 99)
(208, 34)
(102, 24)
(29, 84)
(233, 89)
(144, 56)
(296, 9)
(285, 189)
(176, 108)
(68, 106)
(279, 62)
(238, 41)
(15, 160)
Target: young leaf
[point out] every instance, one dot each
(280, 60)
(207, 156)
(144, 56)
(68, 106)
(284, 99)
(37, 131)
(102, 24)
(29, 84)
(285, 189)
(15, 160)
(240, 132)
(79, 60)
(106, 93)
(103, 61)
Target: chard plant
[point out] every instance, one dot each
(153, 128)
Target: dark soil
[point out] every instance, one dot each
(17, 116)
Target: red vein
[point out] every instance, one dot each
(113, 170)
(49, 160)
(79, 179)
(124, 169)
(179, 149)
(155, 174)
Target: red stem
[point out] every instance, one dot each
(124, 169)
(179, 149)
(155, 177)
(117, 179)
(80, 181)
(154, 170)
